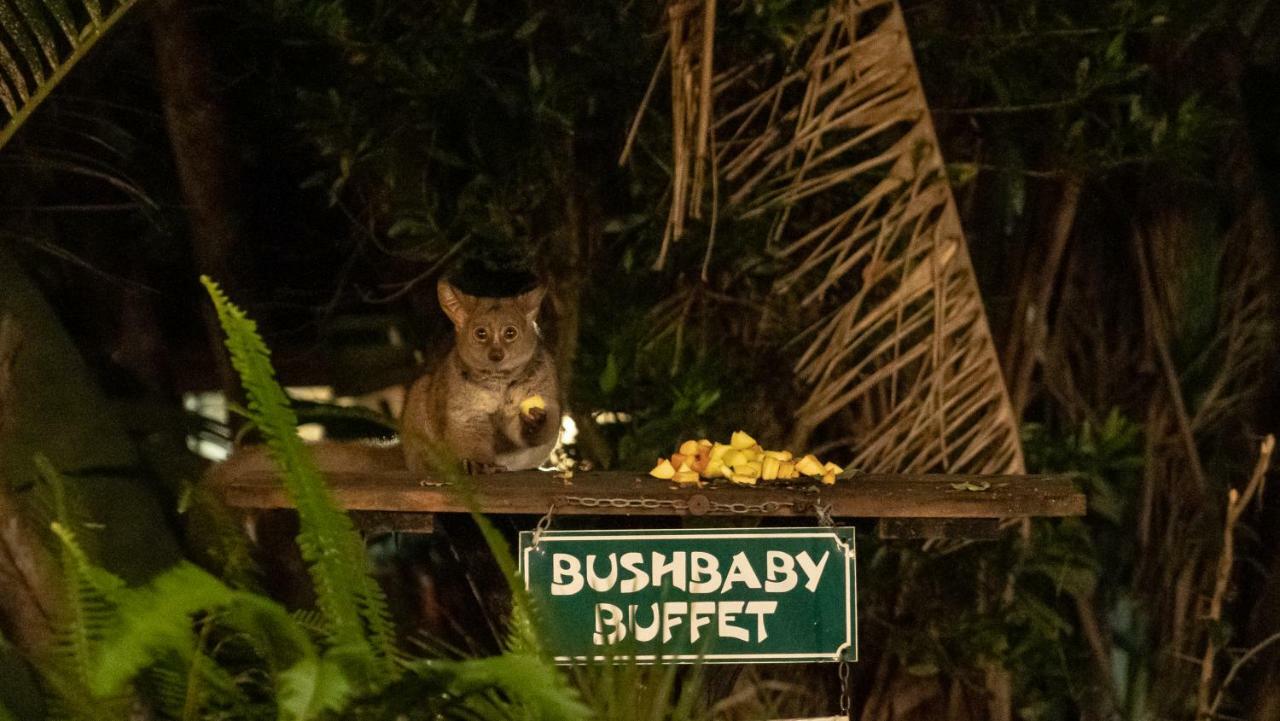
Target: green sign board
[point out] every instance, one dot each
(729, 595)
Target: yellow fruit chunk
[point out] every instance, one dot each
(743, 480)
(686, 477)
(532, 402)
(787, 471)
(736, 457)
(689, 448)
(832, 468)
(714, 467)
(701, 458)
(829, 478)
(718, 451)
(741, 440)
(663, 470)
(769, 471)
(751, 470)
(809, 465)
(678, 459)
(778, 455)
(699, 465)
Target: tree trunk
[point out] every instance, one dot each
(203, 157)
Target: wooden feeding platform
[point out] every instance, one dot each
(906, 506)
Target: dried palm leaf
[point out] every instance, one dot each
(834, 148)
(690, 48)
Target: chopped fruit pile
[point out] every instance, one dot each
(532, 402)
(742, 461)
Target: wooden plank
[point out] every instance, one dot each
(626, 493)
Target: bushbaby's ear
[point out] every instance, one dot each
(530, 301)
(455, 303)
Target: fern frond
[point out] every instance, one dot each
(87, 612)
(165, 687)
(153, 622)
(49, 40)
(510, 686)
(317, 684)
(86, 606)
(310, 620)
(154, 642)
(353, 604)
(268, 629)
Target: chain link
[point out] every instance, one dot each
(650, 503)
(677, 504)
(846, 694)
(823, 512)
(544, 524)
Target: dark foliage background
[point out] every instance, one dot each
(1116, 166)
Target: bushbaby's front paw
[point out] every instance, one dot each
(532, 421)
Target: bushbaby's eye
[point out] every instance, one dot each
(482, 334)
(510, 332)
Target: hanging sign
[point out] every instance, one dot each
(730, 595)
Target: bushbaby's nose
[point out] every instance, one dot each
(496, 354)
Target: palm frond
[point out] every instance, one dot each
(42, 41)
(833, 147)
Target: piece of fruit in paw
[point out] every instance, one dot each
(528, 405)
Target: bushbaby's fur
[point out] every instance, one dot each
(469, 406)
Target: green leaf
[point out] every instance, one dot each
(530, 26)
(1115, 54)
(609, 377)
(925, 668)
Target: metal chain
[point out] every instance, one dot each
(846, 694)
(677, 504)
(823, 512)
(544, 524)
(588, 502)
(744, 508)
